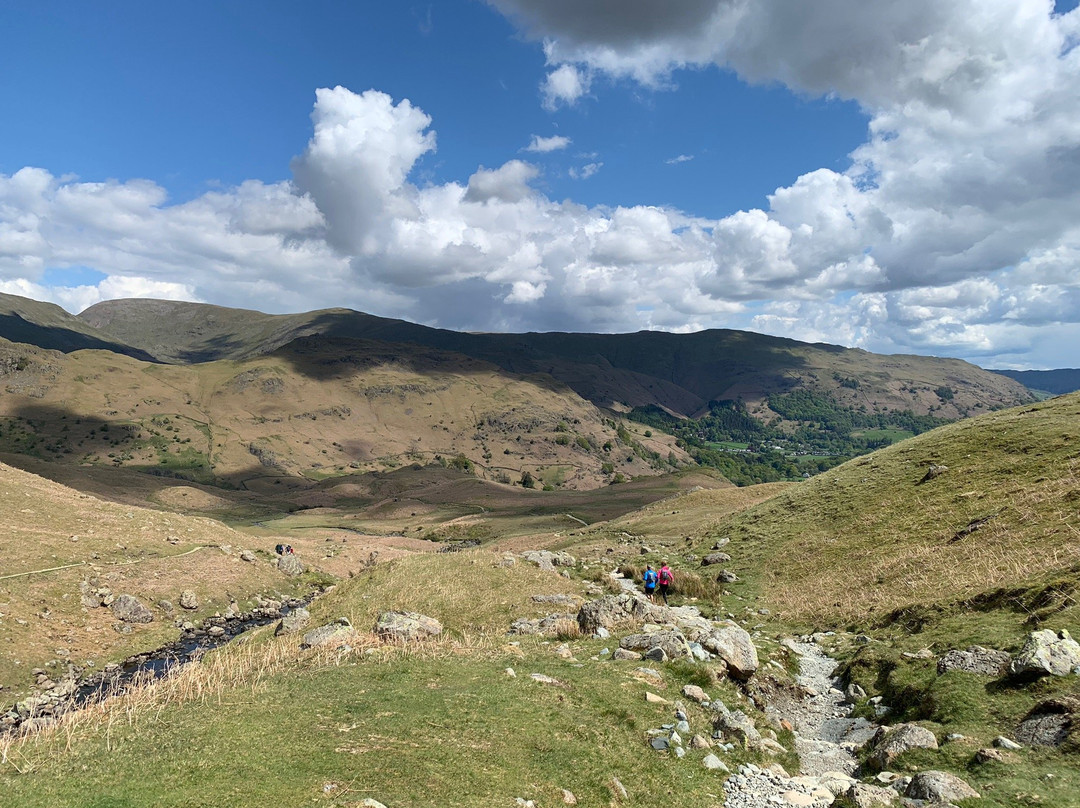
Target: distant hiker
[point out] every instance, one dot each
(650, 581)
(280, 549)
(289, 550)
(665, 580)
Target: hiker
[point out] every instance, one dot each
(289, 550)
(650, 581)
(664, 580)
(280, 549)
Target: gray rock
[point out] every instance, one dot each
(727, 577)
(715, 558)
(616, 611)
(339, 631)
(939, 787)
(1001, 742)
(889, 744)
(547, 560)
(737, 726)
(1050, 722)
(290, 565)
(976, 659)
(295, 621)
(672, 643)
(215, 631)
(695, 693)
(864, 795)
(712, 762)
(1045, 652)
(660, 744)
(407, 626)
(628, 656)
(734, 646)
(189, 600)
(248, 556)
(128, 609)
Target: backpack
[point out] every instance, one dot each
(665, 576)
(650, 577)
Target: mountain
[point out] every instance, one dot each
(49, 326)
(679, 372)
(1055, 382)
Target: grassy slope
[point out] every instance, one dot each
(681, 372)
(443, 725)
(124, 548)
(308, 411)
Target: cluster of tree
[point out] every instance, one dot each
(817, 434)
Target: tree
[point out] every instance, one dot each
(527, 480)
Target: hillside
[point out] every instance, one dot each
(680, 372)
(315, 408)
(1056, 382)
(46, 325)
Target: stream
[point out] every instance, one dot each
(74, 692)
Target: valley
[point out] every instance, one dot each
(149, 498)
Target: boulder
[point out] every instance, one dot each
(407, 626)
(189, 600)
(976, 659)
(937, 787)
(864, 795)
(889, 743)
(615, 611)
(672, 643)
(1049, 722)
(290, 565)
(296, 620)
(715, 558)
(736, 726)
(695, 693)
(547, 560)
(1046, 652)
(248, 556)
(339, 631)
(727, 577)
(624, 655)
(128, 609)
(734, 646)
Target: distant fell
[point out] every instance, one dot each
(679, 372)
(46, 325)
(1058, 382)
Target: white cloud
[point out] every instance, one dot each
(953, 231)
(682, 158)
(544, 145)
(586, 171)
(564, 85)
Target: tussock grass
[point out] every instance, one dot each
(868, 538)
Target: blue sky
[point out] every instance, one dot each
(846, 174)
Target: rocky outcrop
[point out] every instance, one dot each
(976, 659)
(290, 565)
(733, 645)
(1050, 722)
(889, 743)
(547, 560)
(1046, 652)
(189, 600)
(715, 558)
(407, 626)
(295, 621)
(339, 631)
(939, 787)
(128, 609)
(615, 611)
(659, 646)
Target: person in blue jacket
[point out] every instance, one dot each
(650, 581)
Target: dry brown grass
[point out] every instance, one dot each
(867, 539)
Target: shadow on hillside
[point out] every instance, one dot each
(215, 348)
(15, 328)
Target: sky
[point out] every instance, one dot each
(898, 177)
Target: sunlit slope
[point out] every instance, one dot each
(58, 544)
(315, 408)
(681, 372)
(876, 534)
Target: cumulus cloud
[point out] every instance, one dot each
(543, 145)
(564, 85)
(969, 176)
(585, 171)
(953, 230)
